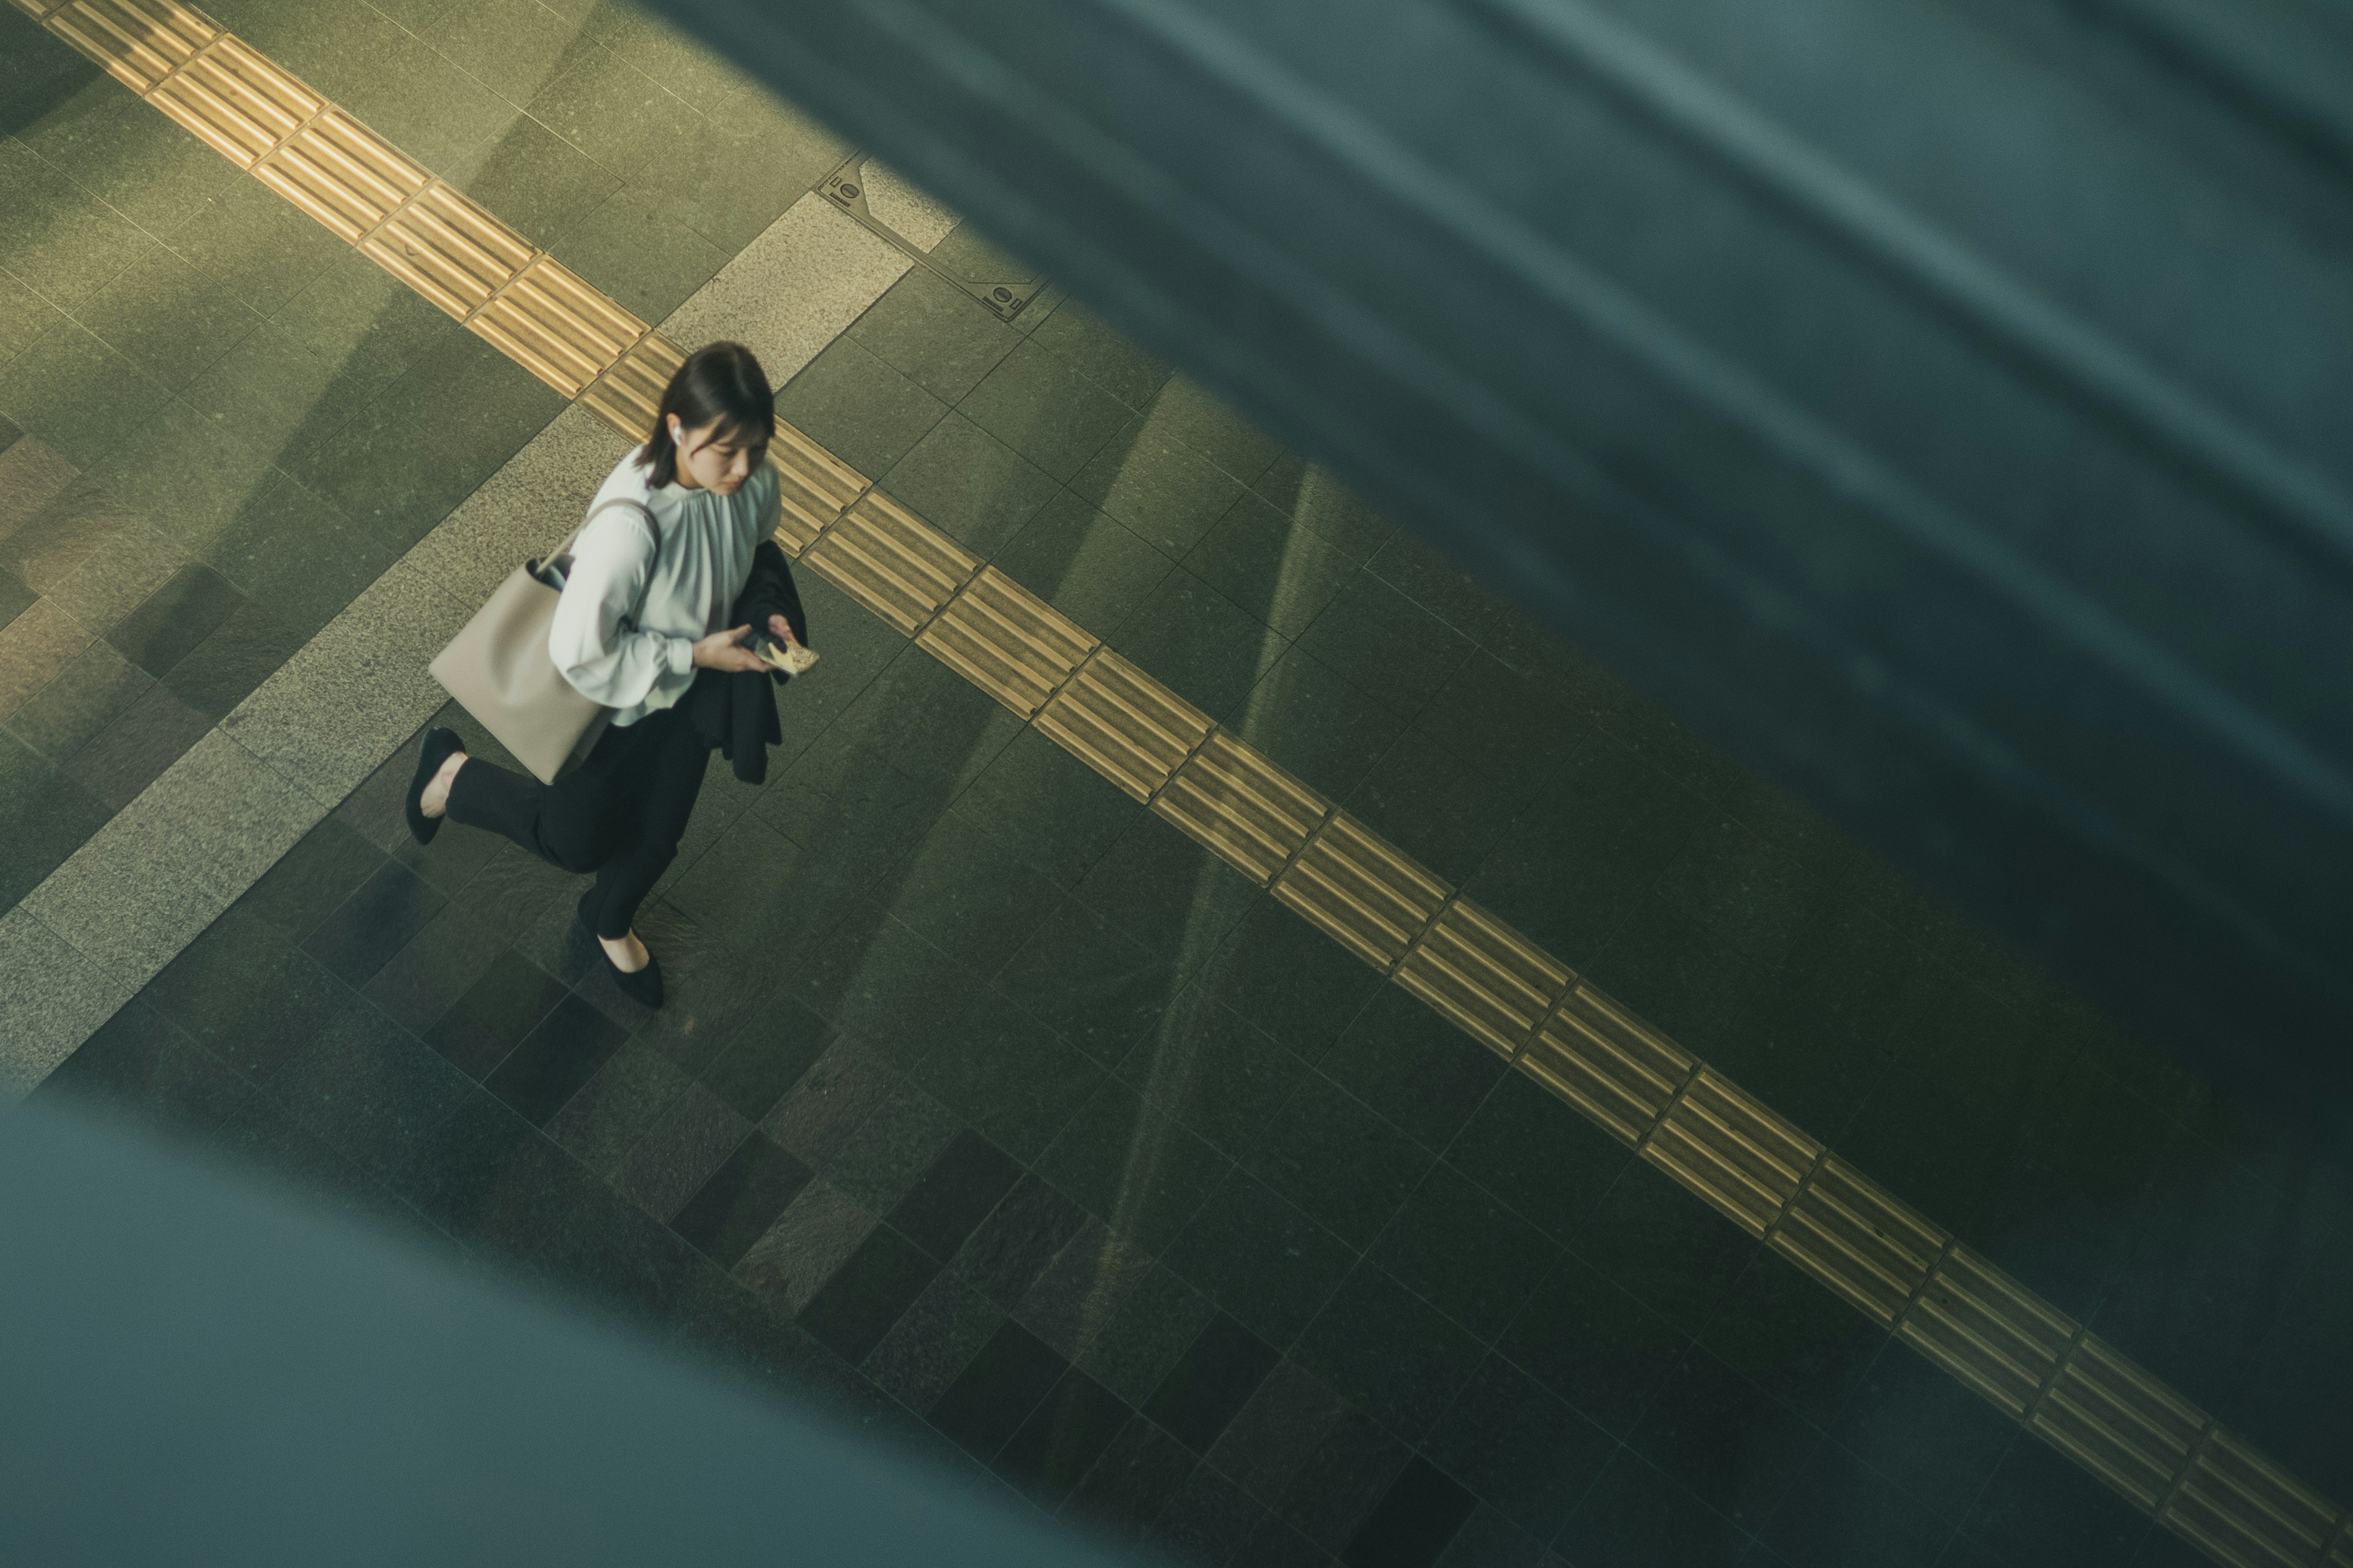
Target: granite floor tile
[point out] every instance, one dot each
(1089, 983)
(1261, 1258)
(551, 1064)
(1342, 1480)
(1308, 719)
(1127, 1489)
(1792, 1338)
(740, 1201)
(116, 577)
(1063, 814)
(1207, 1520)
(817, 1233)
(45, 816)
(605, 1248)
(767, 1057)
(1467, 1254)
(37, 647)
(930, 1346)
(1009, 1250)
(955, 1193)
(1637, 1516)
(1723, 1437)
(1099, 353)
(880, 1160)
(1663, 1247)
(2039, 1508)
(1201, 645)
(1488, 1539)
(1837, 1512)
(788, 295)
(865, 1296)
(432, 974)
(1043, 409)
(1163, 490)
(1167, 892)
(1288, 978)
(1084, 563)
(1071, 1429)
(1211, 1380)
(1130, 1344)
(365, 1085)
(374, 923)
(970, 889)
(1520, 1448)
(1272, 566)
(52, 999)
(693, 1140)
(1412, 1523)
(935, 334)
(1413, 1067)
(1336, 1160)
(1133, 1165)
(1935, 1439)
(1388, 1353)
(154, 731)
(55, 238)
(1276, 1430)
(1008, 1075)
(611, 1112)
(80, 702)
(1594, 1345)
(1213, 1071)
(968, 484)
(996, 1391)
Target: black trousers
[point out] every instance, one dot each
(619, 814)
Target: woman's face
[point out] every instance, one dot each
(710, 462)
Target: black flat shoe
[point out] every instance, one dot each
(438, 744)
(645, 985)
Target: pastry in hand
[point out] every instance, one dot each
(789, 658)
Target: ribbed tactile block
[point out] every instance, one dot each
(36, 9)
(630, 391)
(813, 486)
(1007, 641)
(1484, 977)
(1722, 1144)
(1243, 808)
(1357, 889)
(236, 102)
(556, 325)
(2118, 1422)
(1988, 1330)
(450, 250)
(892, 562)
(1607, 1063)
(344, 175)
(139, 42)
(1122, 724)
(1857, 1240)
(2245, 1510)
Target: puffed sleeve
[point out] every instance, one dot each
(604, 660)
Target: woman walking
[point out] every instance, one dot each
(643, 619)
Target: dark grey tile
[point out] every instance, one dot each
(1131, 1340)
(1665, 1246)
(1131, 1165)
(1488, 1539)
(1007, 1252)
(1412, 1523)
(2042, 1508)
(45, 816)
(155, 731)
(1158, 487)
(882, 1159)
(1341, 1480)
(325, 867)
(1216, 1375)
(1140, 1471)
(169, 623)
(816, 1118)
(248, 646)
(1388, 1353)
(997, 1390)
(1414, 1067)
(1725, 1439)
(243, 995)
(931, 1344)
(971, 891)
(1519, 1446)
(1276, 1430)
(1218, 1073)
(1838, 1513)
(365, 1085)
(1330, 1154)
(692, 1142)
(857, 1305)
(1206, 649)
(614, 1109)
(489, 1178)
(1084, 563)
(1915, 1423)
(818, 1234)
(1637, 1516)
(549, 1066)
(768, 1056)
(1289, 979)
(140, 1065)
(1792, 1338)
(1460, 1250)
(1089, 982)
(78, 704)
(1275, 1544)
(494, 1013)
(1061, 814)
(605, 1248)
(1007, 1074)
(878, 980)
(1261, 1258)
(1594, 1345)
(435, 970)
(1207, 1520)
(374, 923)
(955, 1193)
(1535, 1153)
(1034, 403)
(1166, 892)
(968, 484)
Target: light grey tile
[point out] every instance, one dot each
(34, 649)
(527, 509)
(679, 1153)
(31, 476)
(794, 290)
(148, 882)
(354, 692)
(116, 578)
(52, 998)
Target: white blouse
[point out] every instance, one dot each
(642, 663)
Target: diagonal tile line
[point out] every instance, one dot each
(2049, 1373)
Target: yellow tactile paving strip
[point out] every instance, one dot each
(2044, 1369)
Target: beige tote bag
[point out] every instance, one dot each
(499, 670)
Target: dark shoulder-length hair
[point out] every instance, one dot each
(722, 383)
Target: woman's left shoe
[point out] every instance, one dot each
(643, 986)
(438, 744)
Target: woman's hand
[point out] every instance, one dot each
(782, 630)
(721, 650)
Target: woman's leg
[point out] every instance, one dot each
(654, 816)
(572, 825)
